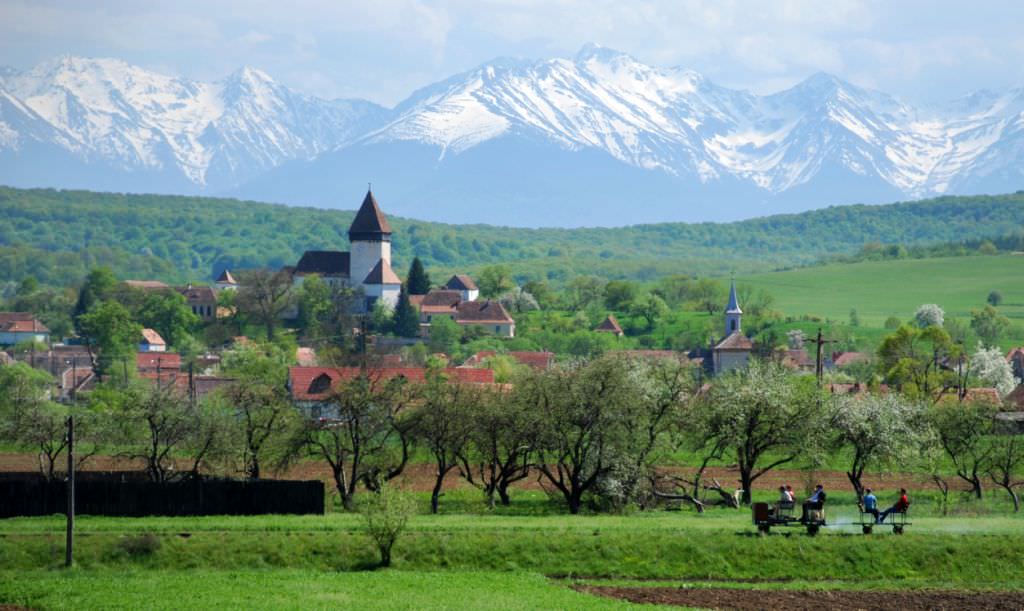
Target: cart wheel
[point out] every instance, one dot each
(763, 529)
(866, 529)
(897, 530)
(812, 530)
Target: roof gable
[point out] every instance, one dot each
(461, 282)
(226, 278)
(735, 341)
(316, 383)
(382, 274)
(610, 325)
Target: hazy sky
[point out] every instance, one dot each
(383, 49)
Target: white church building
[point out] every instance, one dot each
(367, 265)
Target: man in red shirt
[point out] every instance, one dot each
(900, 506)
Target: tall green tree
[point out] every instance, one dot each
(405, 320)
(494, 280)
(169, 315)
(112, 337)
(264, 297)
(98, 285)
(418, 281)
(989, 325)
(913, 358)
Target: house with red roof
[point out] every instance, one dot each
(464, 285)
(152, 342)
(538, 360)
(18, 327)
(311, 387)
(610, 325)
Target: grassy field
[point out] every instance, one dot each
(881, 289)
(476, 560)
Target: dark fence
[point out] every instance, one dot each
(125, 495)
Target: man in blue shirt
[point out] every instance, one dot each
(816, 501)
(870, 503)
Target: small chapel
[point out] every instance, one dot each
(733, 352)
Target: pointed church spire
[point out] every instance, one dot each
(370, 224)
(734, 303)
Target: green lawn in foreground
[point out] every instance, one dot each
(290, 589)
(880, 289)
(477, 561)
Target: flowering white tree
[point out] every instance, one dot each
(795, 338)
(879, 429)
(992, 369)
(929, 315)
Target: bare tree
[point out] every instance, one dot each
(443, 424)
(963, 430)
(266, 417)
(365, 438)
(264, 297)
(1006, 466)
(501, 445)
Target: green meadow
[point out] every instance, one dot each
(880, 289)
(471, 558)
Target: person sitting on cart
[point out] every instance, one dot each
(870, 503)
(899, 507)
(815, 501)
(785, 496)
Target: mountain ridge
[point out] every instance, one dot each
(510, 141)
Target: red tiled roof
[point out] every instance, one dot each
(470, 312)
(151, 337)
(842, 359)
(311, 383)
(1015, 352)
(652, 354)
(145, 361)
(21, 322)
(610, 325)
(323, 263)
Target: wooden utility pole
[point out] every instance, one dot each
(69, 542)
(819, 363)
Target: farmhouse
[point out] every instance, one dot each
(610, 325)
(366, 266)
(17, 327)
(487, 315)
(152, 342)
(311, 387)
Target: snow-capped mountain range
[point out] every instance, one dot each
(598, 139)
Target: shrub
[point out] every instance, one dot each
(386, 514)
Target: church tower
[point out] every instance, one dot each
(370, 239)
(733, 313)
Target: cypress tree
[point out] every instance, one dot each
(406, 321)
(418, 280)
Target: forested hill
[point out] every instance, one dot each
(57, 235)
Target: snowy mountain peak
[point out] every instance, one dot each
(600, 115)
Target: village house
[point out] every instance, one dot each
(464, 285)
(152, 342)
(202, 300)
(487, 315)
(610, 325)
(1016, 359)
(733, 352)
(18, 327)
(367, 266)
(311, 387)
(225, 282)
